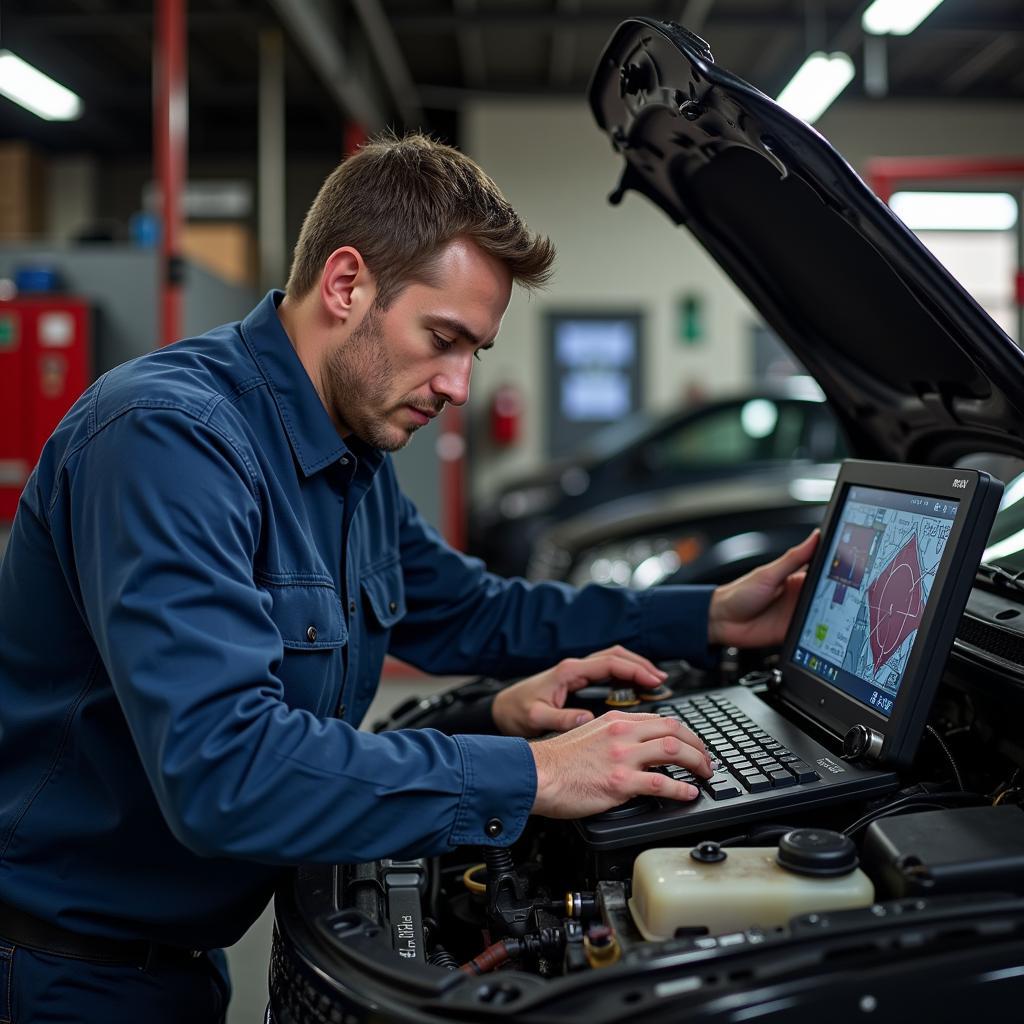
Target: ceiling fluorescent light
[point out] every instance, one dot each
(955, 211)
(813, 88)
(896, 17)
(35, 91)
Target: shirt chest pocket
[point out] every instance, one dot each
(313, 630)
(383, 604)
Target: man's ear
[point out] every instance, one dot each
(346, 283)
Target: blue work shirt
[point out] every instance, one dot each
(199, 590)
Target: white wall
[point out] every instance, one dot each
(557, 169)
(71, 196)
(860, 129)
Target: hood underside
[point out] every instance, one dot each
(915, 369)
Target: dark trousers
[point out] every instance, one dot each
(41, 988)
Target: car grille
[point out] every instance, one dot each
(988, 641)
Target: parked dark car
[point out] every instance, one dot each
(710, 533)
(725, 438)
(915, 371)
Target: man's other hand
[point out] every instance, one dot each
(754, 611)
(536, 705)
(601, 764)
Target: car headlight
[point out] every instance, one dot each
(637, 563)
(528, 501)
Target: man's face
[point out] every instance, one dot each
(399, 366)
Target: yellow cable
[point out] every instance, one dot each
(471, 883)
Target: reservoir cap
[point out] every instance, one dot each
(708, 853)
(817, 851)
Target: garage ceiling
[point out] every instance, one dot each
(416, 61)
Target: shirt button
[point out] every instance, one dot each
(352, 607)
(311, 634)
(392, 606)
(494, 828)
(344, 460)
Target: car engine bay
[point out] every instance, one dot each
(930, 870)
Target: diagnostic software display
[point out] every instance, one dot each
(874, 585)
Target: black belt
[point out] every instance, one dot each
(27, 930)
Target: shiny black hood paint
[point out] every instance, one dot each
(914, 368)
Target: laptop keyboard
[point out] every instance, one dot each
(745, 758)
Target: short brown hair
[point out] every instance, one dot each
(399, 201)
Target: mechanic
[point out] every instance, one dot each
(207, 567)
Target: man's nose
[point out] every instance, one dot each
(453, 384)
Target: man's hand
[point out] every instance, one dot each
(536, 705)
(754, 611)
(600, 764)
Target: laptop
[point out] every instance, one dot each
(858, 669)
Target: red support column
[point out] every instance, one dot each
(170, 144)
(354, 135)
(885, 174)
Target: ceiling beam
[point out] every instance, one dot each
(546, 21)
(390, 60)
(470, 41)
(136, 24)
(984, 60)
(418, 22)
(317, 36)
(450, 97)
(563, 44)
(850, 37)
(778, 50)
(694, 14)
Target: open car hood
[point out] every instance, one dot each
(914, 368)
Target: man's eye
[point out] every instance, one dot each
(442, 343)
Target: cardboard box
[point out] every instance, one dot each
(22, 192)
(226, 248)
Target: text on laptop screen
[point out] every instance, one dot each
(875, 581)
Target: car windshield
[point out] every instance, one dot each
(609, 440)
(1006, 542)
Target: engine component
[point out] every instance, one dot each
(404, 882)
(817, 851)
(966, 849)
(548, 942)
(580, 905)
(508, 904)
(601, 946)
(748, 888)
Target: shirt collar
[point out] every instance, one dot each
(311, 433)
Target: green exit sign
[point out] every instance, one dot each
(8, 331)
(690, 319)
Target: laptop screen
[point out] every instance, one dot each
(875, 581)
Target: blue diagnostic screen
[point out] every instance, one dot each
(875, 582)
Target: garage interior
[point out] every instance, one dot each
(170, 202)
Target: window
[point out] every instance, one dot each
(757, 430)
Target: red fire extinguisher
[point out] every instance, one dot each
(506, 412)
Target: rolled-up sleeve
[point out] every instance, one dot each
(164, 556)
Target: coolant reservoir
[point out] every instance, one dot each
(748, 887)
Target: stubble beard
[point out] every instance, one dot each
(357, 379)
